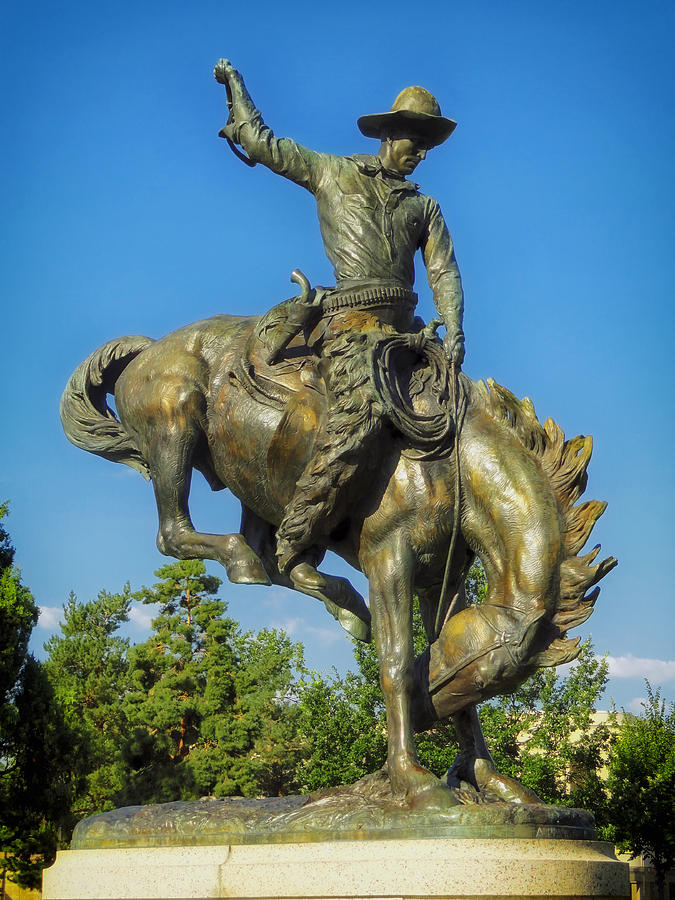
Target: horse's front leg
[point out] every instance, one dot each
(338, 595)
(475, 766)
(166, 417)
(390, 574)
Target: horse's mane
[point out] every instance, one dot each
(565, 464)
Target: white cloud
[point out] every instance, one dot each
(275, 598)
(50, 617)
(658, 671)
(296, 626)
(290, 626)
(636, 705)
(326, 635)
(142, 616)
(122, 472)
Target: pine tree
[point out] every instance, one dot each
(210, 706)
(87, 668)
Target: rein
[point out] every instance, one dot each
(457, 507)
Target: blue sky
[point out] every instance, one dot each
(125, 214)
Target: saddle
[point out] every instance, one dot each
(294, 387)
(408, 376)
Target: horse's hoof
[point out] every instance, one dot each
(480, 776)
(422, 789)
(248, 571)
(333, 594)
(501, 786)
(433, 797)
(306, 578)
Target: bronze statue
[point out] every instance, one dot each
(341, 422)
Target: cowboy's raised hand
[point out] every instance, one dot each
(223, 71)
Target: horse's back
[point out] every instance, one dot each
(191, 354)
(166, 387)
(212, 377)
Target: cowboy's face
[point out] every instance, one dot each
(405, 153)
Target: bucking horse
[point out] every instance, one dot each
(501, 487)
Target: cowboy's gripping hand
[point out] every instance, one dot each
(453, 343)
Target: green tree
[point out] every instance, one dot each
(641, 784)
(211, 707)
(35, 745)
(342, 733)
(88, 670)
(19, 615)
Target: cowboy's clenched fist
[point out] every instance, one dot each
(223, 71)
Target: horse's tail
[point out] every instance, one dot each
(87, 420)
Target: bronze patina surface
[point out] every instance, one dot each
(342, 422)
(364, 811)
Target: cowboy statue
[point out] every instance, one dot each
(373, 220)
(341, 422)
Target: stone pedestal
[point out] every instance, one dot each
(443, 869)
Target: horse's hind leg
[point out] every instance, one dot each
(177, 536)
(170, 438)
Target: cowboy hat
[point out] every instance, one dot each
(415, 111)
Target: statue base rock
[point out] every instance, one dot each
(409, 868)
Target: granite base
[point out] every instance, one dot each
(443, 869)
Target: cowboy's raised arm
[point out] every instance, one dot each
(444, 280)
(282, 155)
